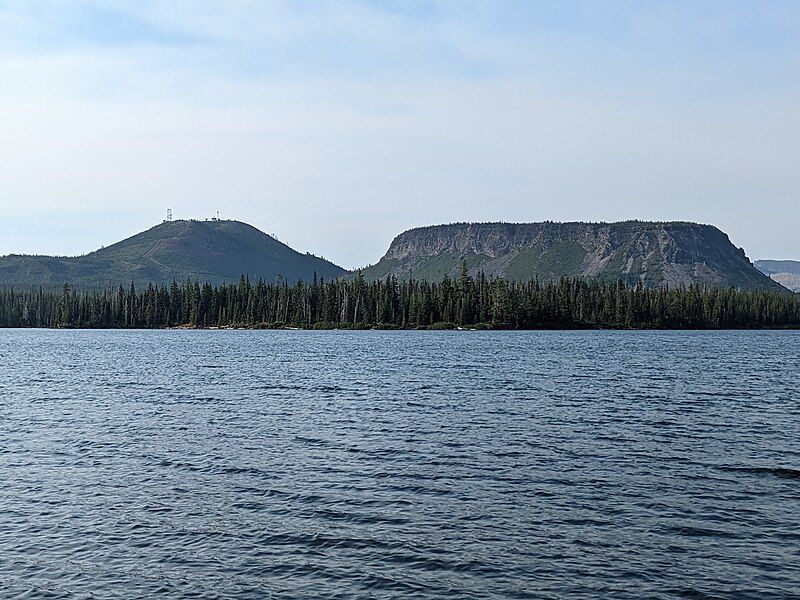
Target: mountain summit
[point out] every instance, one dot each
(655, 254)
(208, 251)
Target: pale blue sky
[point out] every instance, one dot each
(337, 125)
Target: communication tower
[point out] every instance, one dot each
(169, 215)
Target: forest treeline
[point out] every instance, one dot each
(391, 303)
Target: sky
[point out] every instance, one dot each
(338, 125)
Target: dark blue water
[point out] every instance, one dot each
(242, 464)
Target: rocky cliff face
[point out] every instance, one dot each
(657, 254)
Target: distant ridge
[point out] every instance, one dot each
(656, 254)
(785, 272)
(213, 251)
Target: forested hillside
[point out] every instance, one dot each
(214, 251)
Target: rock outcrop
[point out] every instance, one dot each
(656, 254)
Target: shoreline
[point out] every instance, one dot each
(378, 327)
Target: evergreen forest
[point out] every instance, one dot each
(465, 301)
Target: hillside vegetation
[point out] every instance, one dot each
(653, 254)
(209, 251)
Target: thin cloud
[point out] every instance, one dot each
(338, 125)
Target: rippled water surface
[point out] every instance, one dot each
(254, 464)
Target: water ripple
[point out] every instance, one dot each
(243, 464)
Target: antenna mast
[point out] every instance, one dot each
(169, 215)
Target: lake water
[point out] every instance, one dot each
(253, 464)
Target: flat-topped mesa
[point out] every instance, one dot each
(657, 254)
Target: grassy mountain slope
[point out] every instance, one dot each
(208, 251)
(657, 254)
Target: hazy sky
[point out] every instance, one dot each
(338, 125)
